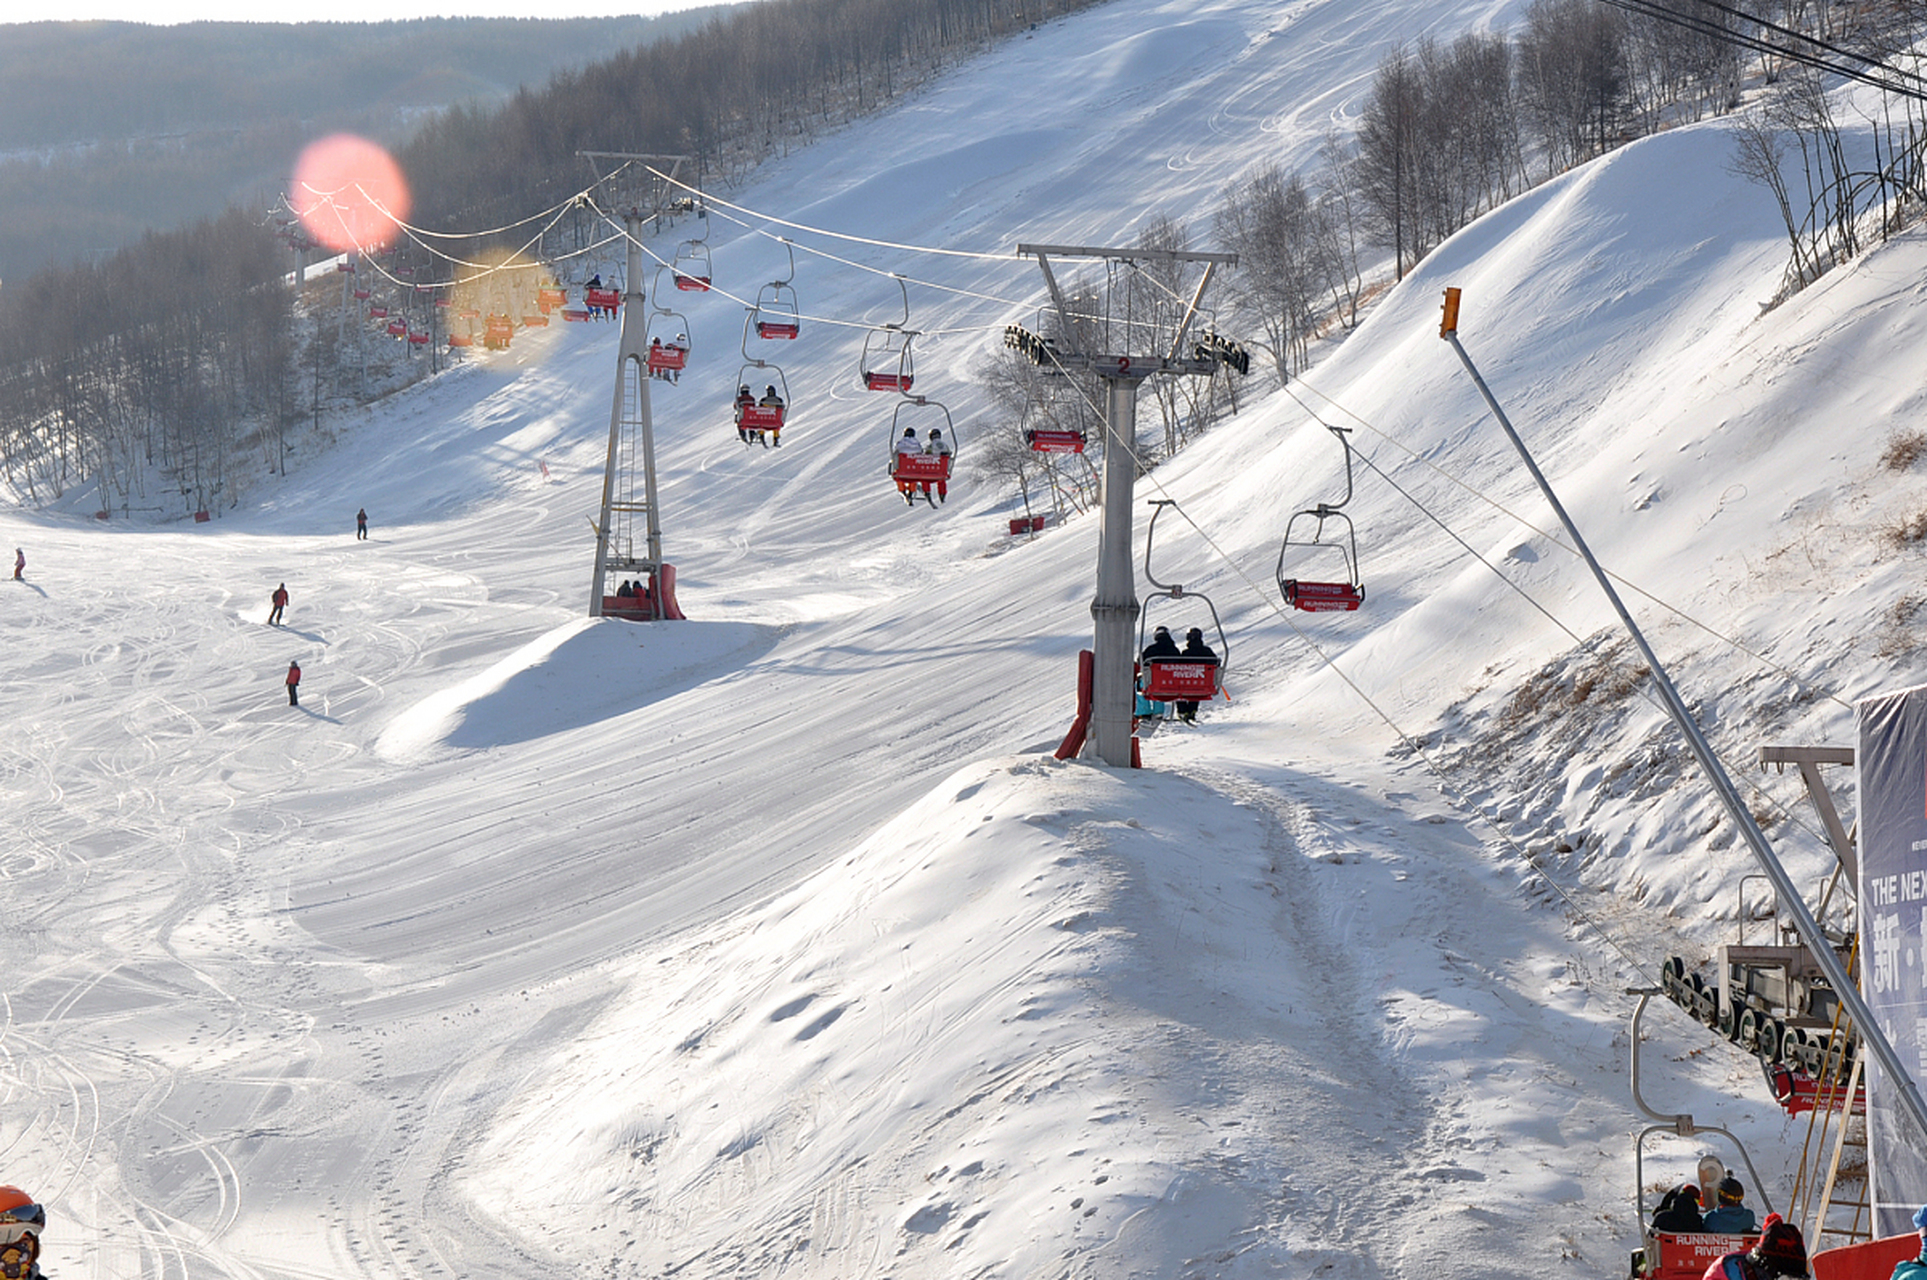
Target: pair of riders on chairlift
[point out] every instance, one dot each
(936, 447)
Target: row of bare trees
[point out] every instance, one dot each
(165, 358)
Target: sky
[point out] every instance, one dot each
(776, 941)
(168, 13)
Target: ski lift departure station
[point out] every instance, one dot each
(1321, 537)
(1178, 679)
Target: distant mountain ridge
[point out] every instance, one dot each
(109, 130)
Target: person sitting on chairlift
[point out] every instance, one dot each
(745, 399)
(938, 446)
(1194, 647)
(1161, 646)
(907, 446)
(771, 400)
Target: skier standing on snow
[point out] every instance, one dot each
(280, 601)
(19, 563)
(21, 1222)
(294, 683)
(361, 525)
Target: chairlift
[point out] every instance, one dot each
(886, 363)
(690, 267)
(761, 417)
(397, 328)
(418, 338)
(362, 295)
(1178, 678)
(456, 340)
(668, 341)
(497, 331)
(549, 297)
(777, 315)
(605, 300)
(910, 470)
(1315, 543)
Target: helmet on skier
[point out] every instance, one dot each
(909, 433)
(19, 1215)
(936, 433)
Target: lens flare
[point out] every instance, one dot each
(349, 193)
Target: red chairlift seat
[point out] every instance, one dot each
(777, 329)
(640, 607)
(345, 266)
(1685, 1255)
(378, 313)
(920, 466)
(574, 313)
(1055, 440)
(1181, 679)
(761, 417)
(497, 333)
(605, 299)
(470, 313)
(441, 302)
(362, 295)
(417, 339)
(460, 340)
(692, 284)
(397, 328)
(546, 297)
(667, 358)
(875, 381)
(1322, 597)
(534, 321)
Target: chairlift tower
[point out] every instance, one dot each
(625, 513)
(632, 447)
(1115, 607)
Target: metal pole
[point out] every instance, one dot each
(635, 321)
(1115, 607)
(1791, 902)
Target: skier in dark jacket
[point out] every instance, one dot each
(1194, 647)
(280, 601)
(361, 525)
(1779, 1252)
(294, 683)
(1679, 1211)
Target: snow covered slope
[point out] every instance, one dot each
(773, 942)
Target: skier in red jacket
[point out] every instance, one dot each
(294, 683)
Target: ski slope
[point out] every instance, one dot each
(774, 943)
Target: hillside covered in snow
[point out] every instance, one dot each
(776, 942)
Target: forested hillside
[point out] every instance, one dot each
(109, 130)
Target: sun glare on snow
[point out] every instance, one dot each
(349, 193)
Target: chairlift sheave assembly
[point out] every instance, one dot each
(1322, 536)
(1178, 678)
